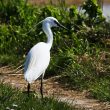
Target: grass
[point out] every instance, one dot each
(87, 72)
(14, 99)
(101, 89)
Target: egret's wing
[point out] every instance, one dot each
(29, 62)
(34, 67)
(36, 62)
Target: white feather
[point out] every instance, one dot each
(37, 61)
(38, 57)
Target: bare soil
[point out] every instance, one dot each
(53, 88)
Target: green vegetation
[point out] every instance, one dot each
(81, 55)
(17, 100)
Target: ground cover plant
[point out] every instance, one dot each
(17, 100)
(81, 55)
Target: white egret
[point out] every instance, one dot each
(38, 57)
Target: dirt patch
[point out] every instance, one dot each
(52, 88)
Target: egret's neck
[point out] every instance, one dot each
(49, 34)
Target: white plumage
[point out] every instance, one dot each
(37, 61)
(38, 57)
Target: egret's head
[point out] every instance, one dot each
(52, 22)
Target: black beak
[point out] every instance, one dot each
(60, 25)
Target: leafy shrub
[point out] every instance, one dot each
(9, 8)
(24, 16)
(93, 11)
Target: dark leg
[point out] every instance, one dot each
(28, 88)
(41, 88)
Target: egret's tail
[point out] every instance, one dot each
(31, 75)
